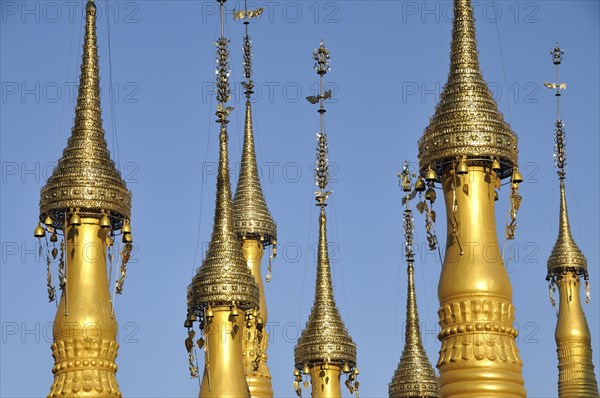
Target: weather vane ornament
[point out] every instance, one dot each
(324, 350)
(414, 376)
(255, 229)
(566, 266)
(85, 204)
(223, 291)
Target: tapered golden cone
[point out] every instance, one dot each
(466, 120)
(224, 278)
(251, 215)
(86, 177)
(414, 376)
(566, 255)
(325, 337)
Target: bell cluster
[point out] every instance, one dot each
(49, 226)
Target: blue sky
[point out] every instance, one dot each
(389, 63)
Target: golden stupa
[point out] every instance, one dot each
(223, 296)
(86, 202)
(469, 148)
(255, 229)
(414, 376)
(566, 266)
(324, 350)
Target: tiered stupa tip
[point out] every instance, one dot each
(86, 179)
(466, 122)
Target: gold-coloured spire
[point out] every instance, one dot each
(256, 230)
(223, 293)
(252, 218)
(223, 279)
(469, 148)
(324, 344)
(86, 178)
(85, 201)
(414, 376)
(566, 266)
(566, 255)
(466, 121)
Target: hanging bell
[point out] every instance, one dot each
(188, 324)
(517, 177)
(346, 368)
(430, 174)
(126, 228)
(496, 166)
(462, 167)
(192, 317)
(235, 311)
(420, 185)
(356, 370)
(48, 221)
(39, 231)
(296, 372)
(209, 313)
(75, 221)
(127, 238)
(53, 237)
(105, 221)
(306, 369)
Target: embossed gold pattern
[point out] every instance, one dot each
(256, 339)
(86, 178)
(479, 356)
(576, 377)
(466, 121)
